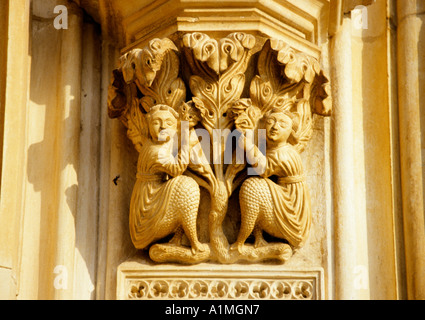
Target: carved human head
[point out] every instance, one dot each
(163, 123)
(280, 126)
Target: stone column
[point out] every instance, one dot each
(411, 69)
(14, 42)
(87, 216)
(346, 242)
(69, 138)
(109, 57)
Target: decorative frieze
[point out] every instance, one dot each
(221, 289)
(137, 282)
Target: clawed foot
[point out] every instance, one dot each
(239, 247)
(260, 242)
(199, 247)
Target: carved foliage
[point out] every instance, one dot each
(146, 77)
(155, 71)
(287, 76)
(218, 69)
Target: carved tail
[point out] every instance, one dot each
(218, 240)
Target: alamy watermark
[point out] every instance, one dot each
(360, 17)
(61, 280)
(61, 21)
(222, 147)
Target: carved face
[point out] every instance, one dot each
(162, 126)
(278, 127)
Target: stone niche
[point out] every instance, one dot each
(209, 223)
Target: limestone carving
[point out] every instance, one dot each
(281, 209)
(272, 109)
(222, 289)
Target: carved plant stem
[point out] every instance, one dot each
(217, 81)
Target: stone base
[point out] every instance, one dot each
(141, 280)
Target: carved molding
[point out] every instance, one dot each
(222, 289)
(303, 24)
(136, 283)
(148, 93)
(131, 24)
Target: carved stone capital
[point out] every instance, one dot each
(260, 91)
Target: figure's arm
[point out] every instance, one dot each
(137, 128)
(200, 165)
(174, 165)
(175, 170)
(254, 156)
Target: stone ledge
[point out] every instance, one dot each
(301, 23)
(139, 280)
